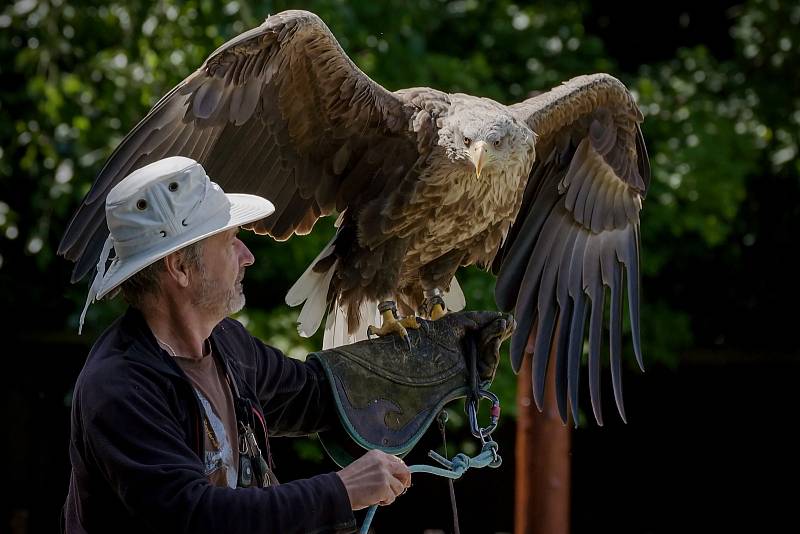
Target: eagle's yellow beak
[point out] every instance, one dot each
(478, 156)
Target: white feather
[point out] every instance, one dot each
(454, 297)
(309, 280)
(314, 309)
(336, 331)
(312, 288)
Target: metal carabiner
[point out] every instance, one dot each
(472, 412)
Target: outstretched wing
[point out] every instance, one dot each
(279, 111)
(576, 236)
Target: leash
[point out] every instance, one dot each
(441, 420)
(453, 469)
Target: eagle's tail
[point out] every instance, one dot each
(454, 297)
(337, 331)
(312, 288)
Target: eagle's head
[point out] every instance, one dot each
(483, 134)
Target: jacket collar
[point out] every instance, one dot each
(136, 331)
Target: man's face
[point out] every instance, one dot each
(219, 288)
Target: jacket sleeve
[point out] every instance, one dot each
(294, 395)
(134, 436)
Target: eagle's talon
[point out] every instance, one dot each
(410, 322)
(391, 325)
(437, 312)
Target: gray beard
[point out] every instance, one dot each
(217, 300)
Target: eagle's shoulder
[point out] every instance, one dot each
(428, 107)
(432, 101)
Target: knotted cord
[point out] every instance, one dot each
(453, 469)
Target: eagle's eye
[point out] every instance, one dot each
(497, 143)
(467, 141)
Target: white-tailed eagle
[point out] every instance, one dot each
(546, 192)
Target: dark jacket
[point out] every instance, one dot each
(136, 444)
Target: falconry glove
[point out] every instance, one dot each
(387, 395)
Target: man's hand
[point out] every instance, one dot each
(375, 478)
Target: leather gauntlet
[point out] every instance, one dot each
(387, 395)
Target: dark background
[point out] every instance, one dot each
(709, 444)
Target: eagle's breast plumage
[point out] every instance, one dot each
(463, 210)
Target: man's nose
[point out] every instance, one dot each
(246, 257)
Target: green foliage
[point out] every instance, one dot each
(693, 104)
(77, 76)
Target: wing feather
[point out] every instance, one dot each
(565, 319)
(575, 289)
(576, 237)
(268, 113)
(547, 305)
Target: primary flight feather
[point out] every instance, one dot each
(546, 192)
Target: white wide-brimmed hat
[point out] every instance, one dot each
(159, 209)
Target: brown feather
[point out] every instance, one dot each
(278, 85)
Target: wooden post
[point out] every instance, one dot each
(542, 482)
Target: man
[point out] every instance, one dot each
(171, 410)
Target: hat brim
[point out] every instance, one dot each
(244, 209)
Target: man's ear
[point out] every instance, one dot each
(177, 269)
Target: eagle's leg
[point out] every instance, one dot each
(433, 306)
(390, 323)
(435, 278)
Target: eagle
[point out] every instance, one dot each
(546, 193)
